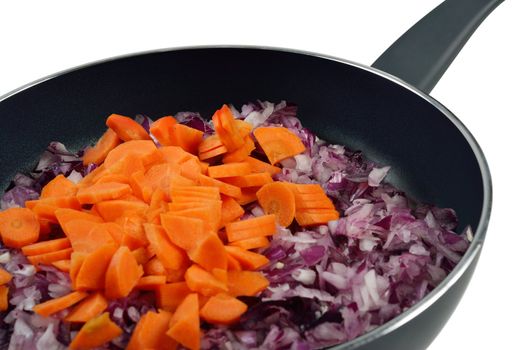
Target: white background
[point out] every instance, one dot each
(483, 87)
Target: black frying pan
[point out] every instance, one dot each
(391, 118)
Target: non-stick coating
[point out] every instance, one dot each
(430, 158)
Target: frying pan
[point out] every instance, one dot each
(384, 110)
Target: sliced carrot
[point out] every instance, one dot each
(126, 128)
(175, 155)
(179, 180)
(209, 192)
(90, 307)
(46, 246)
(251, 243)
(46, 208)
(5, 277)
(171, 256)
(203, 282)
(150, 332)
(115, 230)
(248, 195)
(277, 198)
(210, 143)
(209, 214)
(104, 145)
(112, 210)
(133, 225)
(86, 236)
(246, 283)
(258, 166)
(229, 170)
(203, 167)
(145, 149)
(173, 276)
(19, 227)
(102, 192)
(189, 204)
(94, 174)
(248, 260)
(306, 188)
(92, 273)
(233, 264)
(139, 185)
(65, 215)
(191, 169)
(227, 129)
(142, 255)
(184, 326)
(220, 274)
(186, 137)
(48, 258)
(151, 282)
(278, 143)
(60, 186)
(46, 226)
(264, 225)
(212, 153)
(77, 259)
(122, 274)
(55, 305)
(112, 177)
(242, 153)
(154, 267)
(4, 291)
(161, 129)
(209, 253)
(96, 332)
(231, 211)
(170, 295)
(315, 216)
(183, 231)
(251, 180)
(243, 127)
(126, 166)
(62, 265)
(223, 309)
(224, 188)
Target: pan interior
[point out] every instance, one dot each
(430, 158)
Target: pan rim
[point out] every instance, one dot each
(480, 233)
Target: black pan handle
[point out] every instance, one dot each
(422, 54)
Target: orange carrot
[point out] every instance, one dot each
(251, 180)
(233, 264)
(139, 185)
(58, 187)
(62, 265)
(179, 180)
(242, 153)
(154, 267)
(145, 149)
(90, 307)
(104, 145)
(142, 255)
(251, 243)
(126, 128)
(203, 282)
(184, 326)
(170, 295)
(258, 166)
(175, 155)
(208, 213)
(102, 192)
(46, 246)
(45, 228)
(277, 198)
(55, 305)
(246, 283)
(183, 231)
(4, 291)
(315, 216)
(248, 195)
(122, 274)
(19, 227)
(161, 130)
(229, 170)
(248, 260)
(5, 277)
(259, 226)
(92, 273)
(77, 259)
(209, 253)
(210, 143)
(86, 236)
(278, 143)
(65, 215)
(191, 169)
(223, 309)
(306, 188)
(186, 137)
(48, 258)
(151, 282)
(115, 230)
(209, 192)
(112, 210)
(125, 166)
(224, 188)
(134, 233)
(227, 129)
(220, 274)
(150, 332)
(171, 256)
(112, 177)
(212, 153)
(231, 211)
(96, 332)
(45, 208)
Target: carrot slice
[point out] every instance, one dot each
(313, 217)
(65, 215)
(186, 137)
(77, 259)
(19, 227)
(224, 188)
(227, 129)
(150, 332)
(151, 282)
(229, 170)
(171, 256)
(212, 153)
(104, 145)
(161, 129)
(46, 246)
(210, 143)
(96, 332)
(115, 230)
(62, 265)
(142, 255)
(209, 253)
(246, 283)
(233, 264)
(258, 166)
(90, 307)
(112, 177)
(170, 295)
(134, 233)
(248, 260)
(209, 192)
(256, 227)
(251, 180)
(112, 210)
(306, 188)
(86, 236)
(154, 267)
(55, 305)
(191, 169)
(48, 258)
(203, 282)
(102, 192)
(231, 211)
(184, 326)
(183, 231)
(122, 274)
(277, 198)
(45, 208)
(92, 273)
(145, 149)
(223, 309)
(278, 143)
(126, 128)
(5, 277)
(4, 291)
(175, 155)
(242, 153)
(248, 195)
(251, 243)
(58, 187)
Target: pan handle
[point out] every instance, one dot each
(422, 54)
